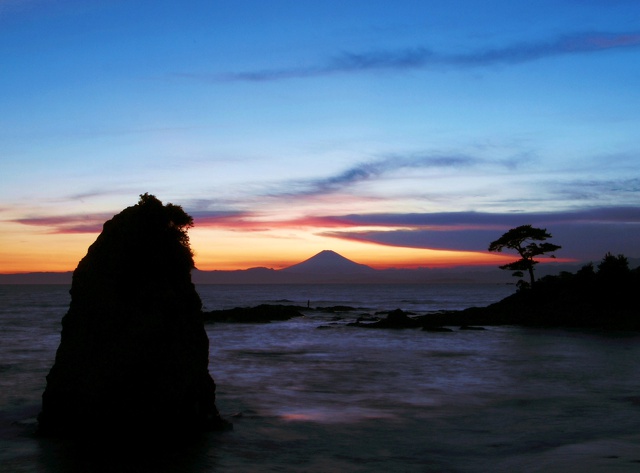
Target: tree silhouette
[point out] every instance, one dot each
(613, 268)
(523, 239)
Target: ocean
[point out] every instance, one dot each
(314, 395)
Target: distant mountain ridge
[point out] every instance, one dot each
(329, 267)
(37, 278)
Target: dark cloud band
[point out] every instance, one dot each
(423, 58)
(588, 233)
(375, 169)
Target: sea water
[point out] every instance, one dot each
(313, 394)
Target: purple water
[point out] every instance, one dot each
(348, 399)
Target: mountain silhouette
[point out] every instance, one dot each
(328, 261)
(331, 267)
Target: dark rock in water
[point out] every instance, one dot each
(471, 327)
(430, 328)
(263, 313)
(133, 355)
(337, 308)
(396, 319)
(387, 312)
(367, 318)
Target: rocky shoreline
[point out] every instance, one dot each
(606, 299)
(549, 305)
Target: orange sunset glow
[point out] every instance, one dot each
(227, 244)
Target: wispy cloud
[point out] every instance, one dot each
(86, 223)
(255, 222)
(232, 220)
(423, 57)
(375, 169)
(494, 220)
(599, 189)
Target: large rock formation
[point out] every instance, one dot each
(133, 356)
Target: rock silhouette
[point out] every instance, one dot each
(133, 355)
(396, 319)
(262, 314)
(604, 300)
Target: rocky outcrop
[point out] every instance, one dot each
(133, 355)
(602, 300)
(396, 319)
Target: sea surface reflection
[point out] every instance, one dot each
(415, 401)
(356, 400)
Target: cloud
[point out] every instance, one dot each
(451, 239)
(495, 220)
(526, 52)
(214, 216)
(581, 242)
(375, 169)
(584, 234)
(232, 220)
(424, 58)
(86, 223)
(598, 189)
(254, 222)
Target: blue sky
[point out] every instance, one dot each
(288, 127)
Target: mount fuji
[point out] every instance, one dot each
(329, 267)
(328, 262)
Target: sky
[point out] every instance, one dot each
(398, 133)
